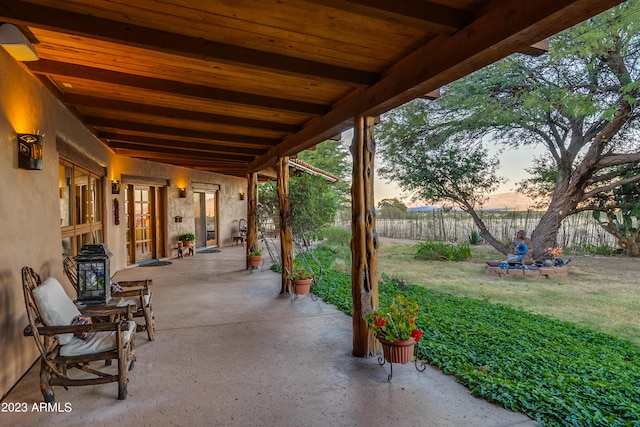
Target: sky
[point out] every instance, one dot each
(513, 163)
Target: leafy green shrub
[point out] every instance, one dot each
(336, 235)
(598, 250)
(438, 251)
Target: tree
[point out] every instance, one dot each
(578, 103)
(333, 157)
(437, 167)
(392, 209)
(313, 202)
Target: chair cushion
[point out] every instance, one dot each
(101, 341)
(135, 301)
(55, 306)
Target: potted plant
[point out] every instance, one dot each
(394, 326)
(254, 258)
(187, 238)
(301, 280)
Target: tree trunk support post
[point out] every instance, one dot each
(252, 213)
(286, 239)
(364, 240)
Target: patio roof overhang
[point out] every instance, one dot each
(229, 87)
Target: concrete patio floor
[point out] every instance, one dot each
(231, 351)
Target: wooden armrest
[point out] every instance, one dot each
(131, 292)
(106, 310)
(72, 329)
(129, 283)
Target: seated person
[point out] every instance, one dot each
(520, 248)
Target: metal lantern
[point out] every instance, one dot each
(94, 280)
(30, 151)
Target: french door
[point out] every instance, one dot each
(205, 208)
(144, 220)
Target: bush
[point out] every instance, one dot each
(474, 238)
(438, 251)
(336, 235)
(598, 250)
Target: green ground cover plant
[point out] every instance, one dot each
(556, 372)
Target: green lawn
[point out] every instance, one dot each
(602, 293)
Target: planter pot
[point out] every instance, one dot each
(301, 287)
(186, 243)
(254, 260)
(399, 351)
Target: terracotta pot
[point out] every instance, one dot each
(186, 243)
(302, 286)
(401, 350)
(254, 260)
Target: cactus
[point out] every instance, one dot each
(623, 225)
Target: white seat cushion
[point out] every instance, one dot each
(101, 341)
(121, 302)
(55, 306)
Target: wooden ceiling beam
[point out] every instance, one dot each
(62, 69)
(144, 141)
(177, 151)
(448, 19)
(504, 28)
(181, 159)
(156, 110)
(25, 13)
(237, 140)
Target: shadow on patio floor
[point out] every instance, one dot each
(231, 351)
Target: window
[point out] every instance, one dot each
(80, 207)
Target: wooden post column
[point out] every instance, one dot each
(364, 240)
(252, 212)
(286, 239)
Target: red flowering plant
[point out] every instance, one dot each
(300, 274)
(396, 321)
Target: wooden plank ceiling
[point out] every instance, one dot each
(228, 86)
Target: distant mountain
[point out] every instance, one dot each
(510, 201)
(422, 208)
(501, 201)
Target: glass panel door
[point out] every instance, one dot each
(210, 205)
(143, 224)
(198, 217)
(205, 215)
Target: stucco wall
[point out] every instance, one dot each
(29, 203)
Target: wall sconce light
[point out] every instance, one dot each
(16, 44)
(30, 151)
(115, 187)
(182, 193)
(241, 194)
(177, 218)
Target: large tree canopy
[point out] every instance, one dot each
(577, 104)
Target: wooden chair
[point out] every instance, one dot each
(241, 237)
(52, 322)
(135, 292)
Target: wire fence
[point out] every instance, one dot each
(576, 231)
